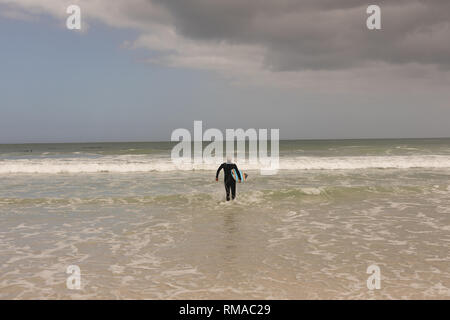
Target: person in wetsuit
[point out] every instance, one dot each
(230, 183)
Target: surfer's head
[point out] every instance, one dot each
(229, 159)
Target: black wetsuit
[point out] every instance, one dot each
(230, 183)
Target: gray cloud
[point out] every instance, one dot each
(289, 43)
(311, 34)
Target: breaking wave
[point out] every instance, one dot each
(144, 163)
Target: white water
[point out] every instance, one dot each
(142, 163)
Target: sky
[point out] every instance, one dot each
(139, 69)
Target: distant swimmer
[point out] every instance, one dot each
(230, 183)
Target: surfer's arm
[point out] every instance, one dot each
(218, 171)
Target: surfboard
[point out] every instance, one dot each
(243, 175)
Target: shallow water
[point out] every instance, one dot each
(309, 232)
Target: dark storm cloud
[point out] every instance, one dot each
(321, 34)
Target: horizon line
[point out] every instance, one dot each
(169, 141)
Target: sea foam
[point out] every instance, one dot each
(143, 163)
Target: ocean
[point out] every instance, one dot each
(139, 227)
